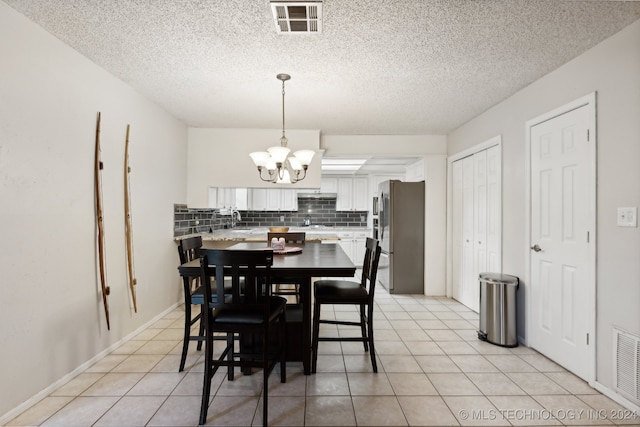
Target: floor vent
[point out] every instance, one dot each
(292, 17)
(627, 364)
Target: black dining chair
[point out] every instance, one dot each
(288, 286)
(248, 310)
(349, 292)
(188, 250)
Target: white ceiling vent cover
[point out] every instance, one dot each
(297, 17)
(627, 364)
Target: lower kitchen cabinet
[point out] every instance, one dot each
(353, 243)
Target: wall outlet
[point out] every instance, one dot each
(281, 218)
(627, 217)
(361, 218)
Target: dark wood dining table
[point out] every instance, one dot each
(315, 260)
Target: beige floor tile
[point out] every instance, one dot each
(171, 362)
(411, 335)
(473, 363)
(330, 363)
(536, 383)
(608, 410)
(242, 385)
(510, 363)
(453, 385)
(361, 363)
(397, 363)
(357, 347)
(283, 411)
(39, 412)
(446, 315)
(138, 363)
(569, 410)
(107, 363)
(147, 334)
(129, 347)
(329, 411)
(422, 315)
(522, 410)
(404, 324)
(81, 411)
(162, 323)
(114, 384)
(456, 347)
(327, 384)
(178, 411)
(158, 347)
(386, 335)
(391, 347)
(426, 348)
(296, 384)
(431, 325)
(443, 334)
(426, 411)
(378, 411)
(475, 411)
(495, 383)
(131, 411)
(461, 324)
(173, 335)
(191, 384)
(470, 335)
(432, 364)
(411, 384)
(571, 383)
(380, 324)
(397, 315)
(157, 384)
(541, 363)
(364, 384)
(329, 347)
(484, 347)
(77, 385)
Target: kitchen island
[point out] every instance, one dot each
(259, 234)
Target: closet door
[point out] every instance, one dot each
(476, 217)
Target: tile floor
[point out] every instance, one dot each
(433, 371)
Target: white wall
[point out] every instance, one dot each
(220, 158)
(50, 310)
(612, 69)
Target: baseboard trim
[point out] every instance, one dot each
(611, 394)
(11, 414)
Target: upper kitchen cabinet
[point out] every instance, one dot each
(415, 171)
(353, 194)
(220, 198)
(273, 199)
(329, 185)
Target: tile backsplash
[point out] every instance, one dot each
(320, 212)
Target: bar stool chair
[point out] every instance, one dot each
(349, 292)
(248, 310)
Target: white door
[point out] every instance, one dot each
(479, 242)
(561, 281)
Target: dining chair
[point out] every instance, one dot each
(349, 292)
(291, 285)
(188, 250)
(248, 310)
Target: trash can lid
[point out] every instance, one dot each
(499, 278)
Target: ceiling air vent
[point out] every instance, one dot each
(293, 17)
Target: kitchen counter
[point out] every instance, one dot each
(259, 234)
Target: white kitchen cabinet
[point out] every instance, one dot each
(415, 172)
(352, 194)
(222, 197)
(353, 244)
(329, 185)
(274, 199)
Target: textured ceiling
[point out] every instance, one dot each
(379, 66)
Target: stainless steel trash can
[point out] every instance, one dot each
(498, 309)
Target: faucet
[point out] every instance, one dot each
(307, 221)
(235, 217)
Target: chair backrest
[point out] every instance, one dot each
(370, 265)
(248, 271)
(189, 249)
(289, 237)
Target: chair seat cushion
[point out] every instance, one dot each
(340, 291)
(248, 316)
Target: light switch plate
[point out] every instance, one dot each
(627, 217)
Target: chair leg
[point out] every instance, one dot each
(265, 381)
(187, 333)
(372, 348)
(314, 339)
(206, 388)
(230, 355)
(201, 327)
(363, 327)
(283, 349)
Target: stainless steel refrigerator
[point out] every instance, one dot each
(401, 234)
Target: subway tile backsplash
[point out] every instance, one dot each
(320, 212)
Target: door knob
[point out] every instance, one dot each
(536, 247)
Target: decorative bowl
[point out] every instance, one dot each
(278, 229)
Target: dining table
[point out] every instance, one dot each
(313, 260)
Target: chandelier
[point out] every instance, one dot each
(280, 166)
